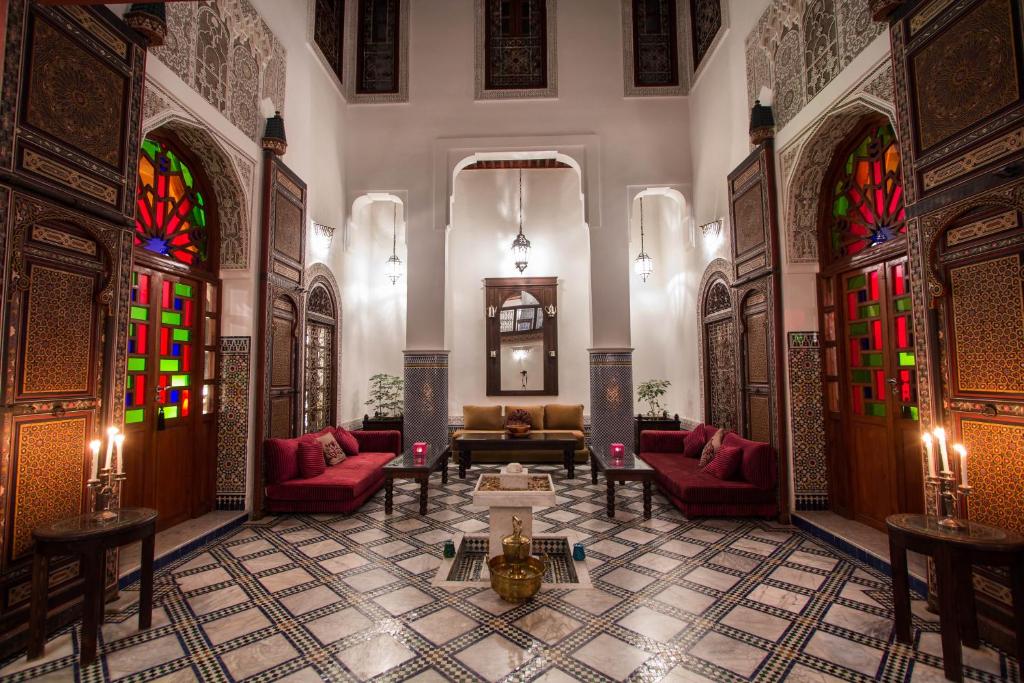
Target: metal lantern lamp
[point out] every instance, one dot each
(393, 266)
(521, 245)
(644, 264)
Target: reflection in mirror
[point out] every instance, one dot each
(521, 338)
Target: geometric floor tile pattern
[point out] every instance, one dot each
(349, 598)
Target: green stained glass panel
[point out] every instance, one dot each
(170, 412)
(134, 415)
(861, 376)
(170, 318)
(179, 380)
(856, 282)
(872, 360)
(906, 359)
(870, 311)
(169, 365)
(140, 313)
(875, 409)
(136, 365)
(904, 304)
(858, 329)
(183, 290)
(181, 335)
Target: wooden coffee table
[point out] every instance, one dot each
(407, 466)
(468, 442)
(89, 536)
(629, 468)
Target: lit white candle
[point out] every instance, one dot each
(118, 443)
(929, 455)
(940, 435)
(962, 452)
(111, 431)
(94, 446)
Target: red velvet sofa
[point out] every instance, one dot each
(341, 488)
(751, 492)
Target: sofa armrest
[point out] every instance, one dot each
(384, 441)
(659, 441)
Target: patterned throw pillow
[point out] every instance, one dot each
(332, 451)
(694, 441)
(710, 448)
(311, 459)
(725, 463)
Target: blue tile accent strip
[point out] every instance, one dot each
(178, 553)
(850, 549)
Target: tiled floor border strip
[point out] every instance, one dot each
(855, 551)
(181, 551)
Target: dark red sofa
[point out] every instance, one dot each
(751, 492)
(341, 488)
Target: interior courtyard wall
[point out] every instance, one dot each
(484, 224)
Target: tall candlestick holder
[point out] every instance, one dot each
(105, 492)
(952, 500)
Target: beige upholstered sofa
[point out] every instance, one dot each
(552, 417)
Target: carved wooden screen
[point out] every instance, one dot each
(329, 33)
(705, 21)
(754, 236)
(515, 44)
(655, 51)
(378, 26)
(719, 330)
(282, 309)
(321, 350)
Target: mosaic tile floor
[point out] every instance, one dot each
(328, 597)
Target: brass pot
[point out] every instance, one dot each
(515, 548)
(517, 430)
(516, 582)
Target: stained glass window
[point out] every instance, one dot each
(867, 201)
(170, 211)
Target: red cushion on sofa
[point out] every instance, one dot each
(681, 479)
(725, 463)
(311, 458)
(345, 481)
(347, 441)
(760, 466)
(281, 460)
(660, 441)
(694, 442)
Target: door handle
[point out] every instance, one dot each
(894, 386)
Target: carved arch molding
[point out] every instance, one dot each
(322, 274)
(716, 351)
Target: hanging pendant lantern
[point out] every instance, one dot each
(521, 245)
(644, 264)
(393, 266)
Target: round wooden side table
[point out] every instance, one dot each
(89, 537)
(954, 551)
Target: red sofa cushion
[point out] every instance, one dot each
(379, 441)
(345, 481)
(725, 462)
(681, 479)
(311, 458)
(281, 458)
(661, 441)
(694, 442)
(760, 466)
(347, 440)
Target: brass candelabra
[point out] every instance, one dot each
(951, 500)
(105, 492)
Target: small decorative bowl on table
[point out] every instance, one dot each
(518, 423)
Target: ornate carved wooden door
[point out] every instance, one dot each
(879, 391)
(284, 354)
(719, 357)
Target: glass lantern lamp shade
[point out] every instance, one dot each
(643, 265)
(521, 251)
(393, 268)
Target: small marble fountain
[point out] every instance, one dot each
(513, 492)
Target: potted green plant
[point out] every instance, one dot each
(387, 398)
(651, 392)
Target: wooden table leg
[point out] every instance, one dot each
(611, 494)
(424, 481)
(570, 463)
(1017, 598)
(900, 586)
(146, 581)
(949, 622)
(647, 499)
(37, 618)
(444, 468)
(389, 494)
(91, 604)
(463, 463)
(593, 469)
(966, 607)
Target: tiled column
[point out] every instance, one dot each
(426, 398)
(807, 423)
(611, 397)
(233, 422)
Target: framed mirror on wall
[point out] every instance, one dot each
(522, 336)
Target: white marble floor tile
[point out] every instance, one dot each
(611, 656)
(547, 625)
(494, 657)
(654, 625)
(251, 659)
(443, 625)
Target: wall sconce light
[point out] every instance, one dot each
(713, 230)
(494, 354)
(492, 311)
(323, 235)
(550, 311)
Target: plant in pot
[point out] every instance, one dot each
(651, 393)
(387, 400)
(518, 423)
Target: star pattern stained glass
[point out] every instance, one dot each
(170, 211)
(867, 204)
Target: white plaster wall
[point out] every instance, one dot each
(642, 140)
(484, 223)
(374, 325)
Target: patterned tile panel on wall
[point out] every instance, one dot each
(611, 397)
(426, 398)
(233, 422)
(807, 425)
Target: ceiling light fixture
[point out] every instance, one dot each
(644, 264)
(393, 267)
(521, 245)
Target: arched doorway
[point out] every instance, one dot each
(867, 332)
(320, 384)
(718, 348)
(171, 384)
